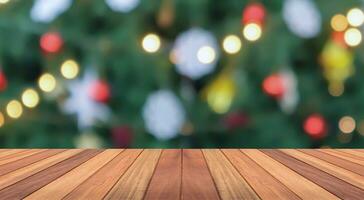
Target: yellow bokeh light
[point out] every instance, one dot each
(339, 22)
(47, 82)
(206, 55)
(2, 119)
(252, 32)
(355, 17)
(352, 37)
(30, 98)
(14, 109)
(151, 43)
(336, 89)
(4, 1)
(231, 44)
(347, 124)
(69, 69)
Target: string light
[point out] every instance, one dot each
(69, 69)
(355, 17)
(206, 55)
(352, 37)
(231, 44)
(30, 98)
(47, 82)
(2, 119)
(14, 109)
(347, 124)
(151, 43)
(252, 32)
(339, 22)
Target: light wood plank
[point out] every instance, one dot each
(133, 184)
(344, 156)
(353, 152)
(73, 178)
(19, 155)
(29, 185)
(197, 183)
(264, 184)
(304, 188)
(166, 181)
(97, 186)
(29, 170)
(10, 152)
(228, 181)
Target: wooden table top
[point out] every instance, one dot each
(181, 174)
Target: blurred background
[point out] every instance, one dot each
(181, 73)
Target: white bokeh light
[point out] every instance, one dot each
(46, 11)
(163, 114)
(196, 53)
(302, 18)
(124, 6)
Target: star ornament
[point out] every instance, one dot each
(81, 104)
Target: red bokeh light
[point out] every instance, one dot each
(273, 85)
(100, 91)
(254, 13)
(338, 38)
(315, 126)
(3, 81)
(51, 42)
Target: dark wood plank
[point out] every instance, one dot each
(166, 181)
(197, 182)
(265, 185)
(332, 184)
(336, 161)
(97, 186)
(28, 185)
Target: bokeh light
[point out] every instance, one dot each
(30, 98)
(206, 55)
(14, 109)
(352, 37)
(70, 69)
(355, 17)
(273, 85)
(231, 44)
(315, 126)
(2, 119)
(336, 89)
(339, 22)
(151, 43)
(252, 32)
(47, 82)
(361, 127)
(51, 42)
(4, 1)
(347, 124)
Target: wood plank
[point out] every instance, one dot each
(197, 182)
(353, 152)
(29, 170)
(10, 152)
(29, 185)
(97, 186)
(336, 161)
(345, 156)
(229, 183)
(331, 183)
(166, 181)
(73, 178)
(339, 172)
(304, 188)
(6, 168)
(134, 183)
(264, 184)
(19, 155)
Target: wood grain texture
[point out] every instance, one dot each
(304, 188)
(352, 158)
(354, 167)
(28, 185)
(229, 183)
(97, 186)
(197, 183)
(332, 184)
(10, 152)
(166, 181)
(19, 155)
(353, 152)
(265, 185)
(134, 183)
(73, 178)
(29, 170)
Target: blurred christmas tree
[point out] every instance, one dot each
(181, 73)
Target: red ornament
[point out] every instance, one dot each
(338, 38)
(51, 42)
(236, 120)
(254, 13)
(315, 126)
(122, 136)
(100, 91)
(273, 85)
(3, 81)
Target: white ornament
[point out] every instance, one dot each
(122, 5)
(196, 53)
(48, 10)
(290, 98)
(163, 114)
(302, 17)
(80, 102)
